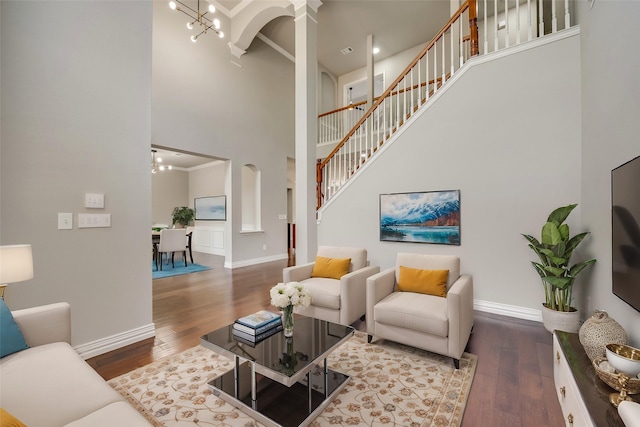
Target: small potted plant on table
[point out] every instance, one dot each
(182, 215)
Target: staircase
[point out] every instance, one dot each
(502, 24)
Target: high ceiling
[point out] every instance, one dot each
(395, 25)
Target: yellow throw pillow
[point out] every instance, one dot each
(8, 420)
(331, 268)
(430, 282)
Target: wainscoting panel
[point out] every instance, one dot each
(209, 239)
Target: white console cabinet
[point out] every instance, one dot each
(583, 396)
(573, 408)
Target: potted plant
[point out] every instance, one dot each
(554, 251)
(182, 215)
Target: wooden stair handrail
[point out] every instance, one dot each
(337, 110)
(469, 4)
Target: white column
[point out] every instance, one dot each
(370, 73)
(306, 132)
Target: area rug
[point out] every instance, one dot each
(168, 271)
(391, 384)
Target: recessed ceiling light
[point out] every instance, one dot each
(376, 50)
(347, 50)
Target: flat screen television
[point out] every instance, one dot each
(625, 227)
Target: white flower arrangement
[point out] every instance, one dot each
(289, 294)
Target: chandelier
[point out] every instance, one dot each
(156, 163)
(206, 23)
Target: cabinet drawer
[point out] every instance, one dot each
(573, 409)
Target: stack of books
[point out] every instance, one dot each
(257, 326)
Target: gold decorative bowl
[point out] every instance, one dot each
(612, 380)
(624, 358)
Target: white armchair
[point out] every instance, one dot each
(434, 323)
(335, 300)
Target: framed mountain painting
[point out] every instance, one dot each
(421, 217)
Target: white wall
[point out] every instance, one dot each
(207, 180)
(514, 158)
(610, 113)
(203, 103)
(76, 109)
(168, 190)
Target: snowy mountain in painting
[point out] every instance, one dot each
(433, 213)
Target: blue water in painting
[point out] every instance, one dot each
(412, 233)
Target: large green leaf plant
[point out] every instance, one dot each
(554, 251)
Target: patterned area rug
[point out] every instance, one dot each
(391, 384)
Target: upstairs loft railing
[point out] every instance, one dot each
(333, 125)
(478, 27)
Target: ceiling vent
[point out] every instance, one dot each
(347, 50)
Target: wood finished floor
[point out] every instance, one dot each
(513, 384)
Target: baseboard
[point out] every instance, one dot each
(508, 310)
(114, 342)
(254, 261)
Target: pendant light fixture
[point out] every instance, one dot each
(203, 19)
(156, 163)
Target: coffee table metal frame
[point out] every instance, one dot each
(243, 354)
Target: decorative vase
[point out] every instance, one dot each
(568, 321)
(288, 320)
(598, 331)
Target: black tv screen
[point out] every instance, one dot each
(625, 227)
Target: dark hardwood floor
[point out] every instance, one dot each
(513, 384)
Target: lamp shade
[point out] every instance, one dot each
(16, 263)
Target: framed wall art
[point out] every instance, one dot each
(421, 217)
(213, 208)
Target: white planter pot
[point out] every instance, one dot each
(560, 320)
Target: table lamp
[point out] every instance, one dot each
(16, 265)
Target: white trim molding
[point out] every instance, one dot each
(235, 50)
(114, 342)
(508, 310)
(254, 261)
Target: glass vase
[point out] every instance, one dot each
(287, 321)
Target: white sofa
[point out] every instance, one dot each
(50, 385)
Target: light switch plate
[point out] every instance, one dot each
(94, 220)
(94, 201)
(65, 221)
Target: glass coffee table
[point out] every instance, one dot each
(281, 381)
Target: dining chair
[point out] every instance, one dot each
(189, 238)
(171, 241)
